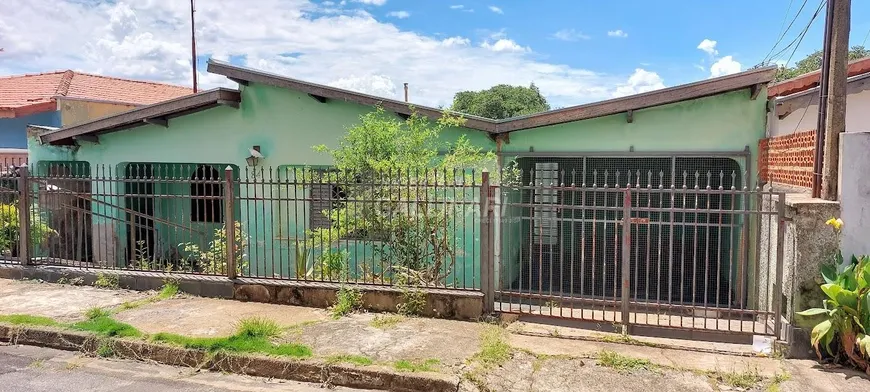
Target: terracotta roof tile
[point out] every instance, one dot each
(25, 90)
(811, 79)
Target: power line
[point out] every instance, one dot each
(865, 38)
(797, 40)
(785, 31)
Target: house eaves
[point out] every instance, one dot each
(752, 79)
(158, 114)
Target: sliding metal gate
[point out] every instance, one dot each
(656, 241)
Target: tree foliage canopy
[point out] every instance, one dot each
(501, 101)
(813, 62)
(407, 203)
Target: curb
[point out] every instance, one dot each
(312, 371)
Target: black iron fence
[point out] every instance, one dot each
(408, 227)
(675, 248)
(640, 248)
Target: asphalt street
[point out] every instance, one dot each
(25, 368)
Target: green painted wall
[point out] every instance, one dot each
(286, 124)
(726, 122)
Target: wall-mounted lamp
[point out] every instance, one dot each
(255, 157)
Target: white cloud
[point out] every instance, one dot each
(378, 85)
(617, 33)
(399, 14)
(640, 81)
(708, 46)
(461, 7)
(569, 35)
(456, 41)
(302, 39)
(504, 45)
(724, 66)
(372, 2)
(496, 9)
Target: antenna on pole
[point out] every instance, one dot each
(193, 44)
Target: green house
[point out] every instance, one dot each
(703, 134)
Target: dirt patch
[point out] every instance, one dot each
(203, 317)
(413, 338)
(63, 303)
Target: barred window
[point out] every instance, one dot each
(206, 203)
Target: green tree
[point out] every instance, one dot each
(813, 62)
(401, 202)
(501, 101)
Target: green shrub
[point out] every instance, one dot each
(845, 315)
(10, 228)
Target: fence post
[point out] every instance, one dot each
(626, 257)
(780, 259)
(24, 215)
(486, 250)
(230, 222)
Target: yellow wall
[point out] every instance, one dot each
(76, 111)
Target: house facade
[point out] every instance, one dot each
(788, 151)
(63, 98)
(702, 135)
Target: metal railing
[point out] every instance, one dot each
(410, 227)
(640, 248)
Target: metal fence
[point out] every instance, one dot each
(415, 228)
(566, 238)
(631, 247)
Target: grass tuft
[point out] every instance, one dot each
(623, 363)
(746, 379)
(258, 327)
(387, 321)
(429, 365)
(26, 319)
(169, 290)
(106, 326)
(97, 312)
(106, 281)
(494, 350)
(347, 300)
(236, 344)
(347, 358)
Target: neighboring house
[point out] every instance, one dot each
(788, 153)
(698, 135)
(67, 97)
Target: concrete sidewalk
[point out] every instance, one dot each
(535, 362)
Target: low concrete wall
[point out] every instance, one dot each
(808, 243)
(442, 303)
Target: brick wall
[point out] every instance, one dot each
(788, 159)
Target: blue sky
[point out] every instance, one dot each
(663, 34)
(575, 51)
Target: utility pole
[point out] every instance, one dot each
(835, 116)
(406, 92)
(819, 150)
(193, 44)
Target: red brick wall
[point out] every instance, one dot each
(788, 159)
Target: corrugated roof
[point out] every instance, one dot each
(21, 91)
